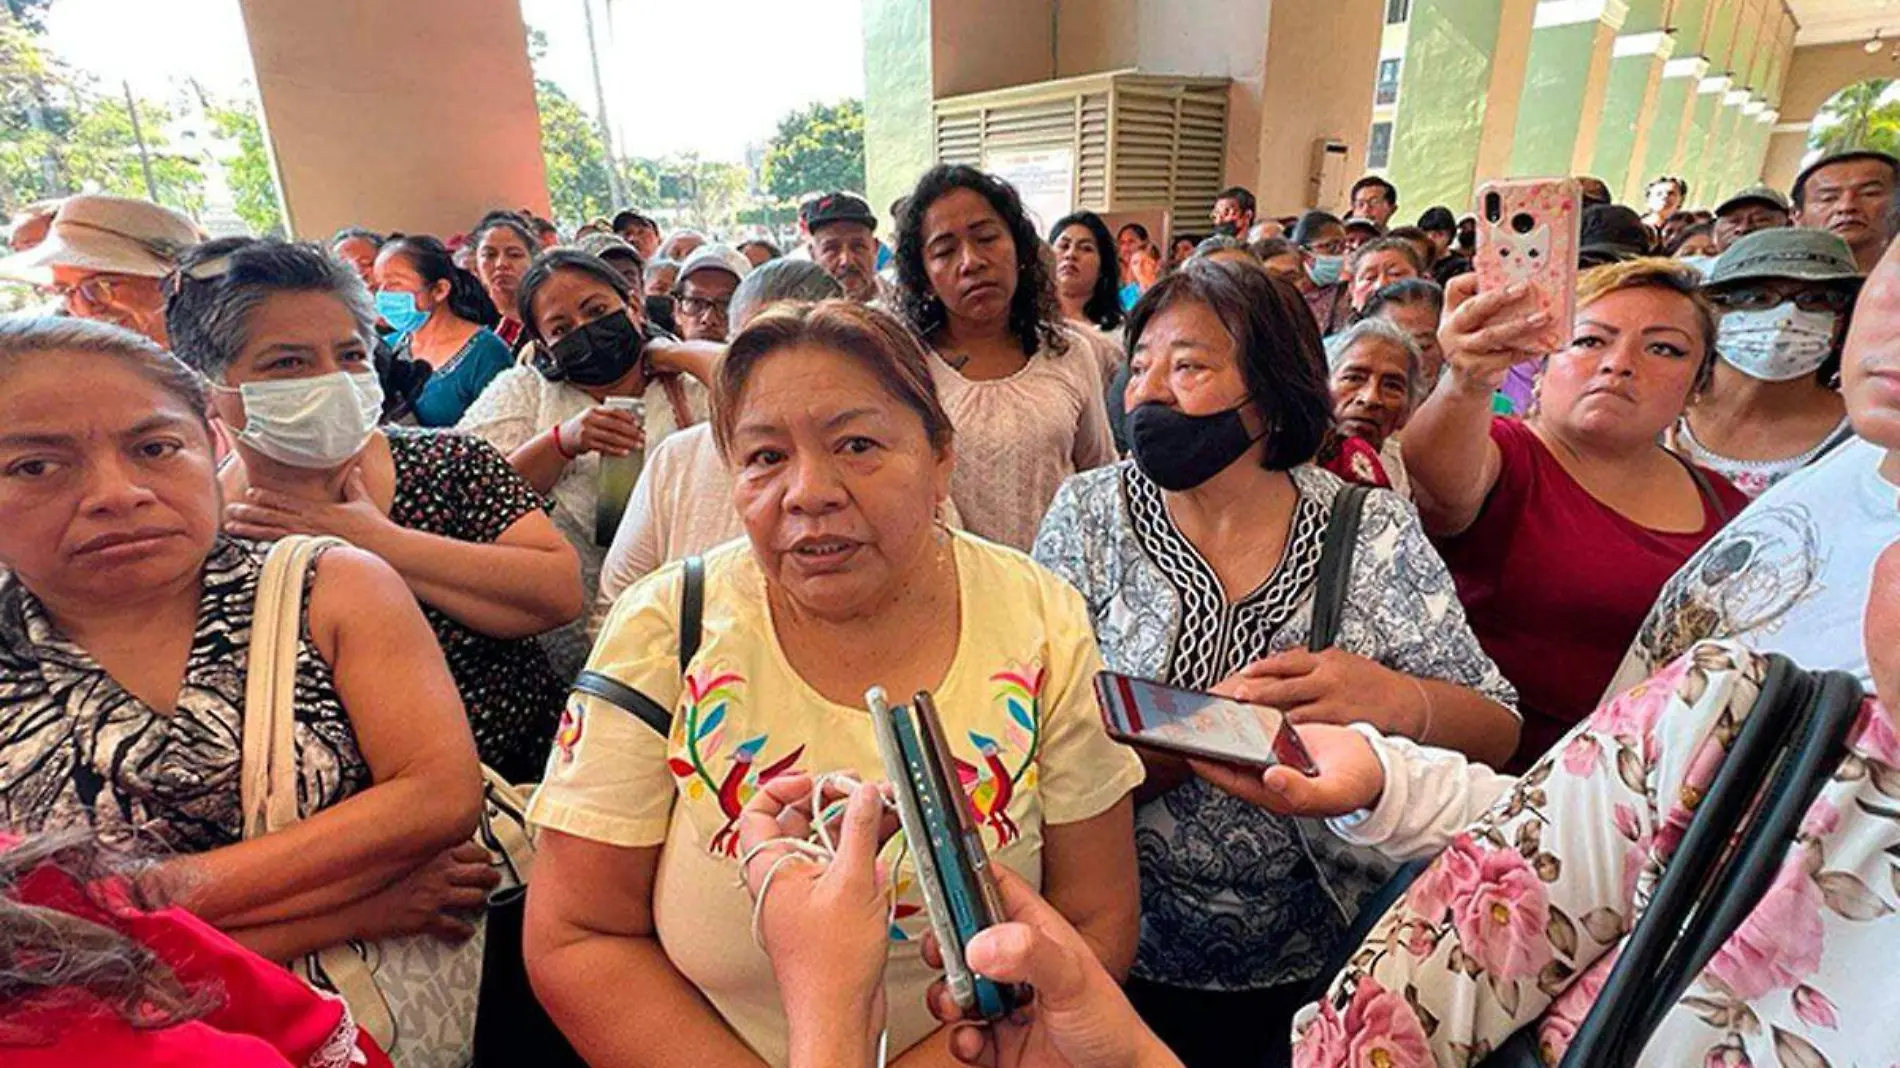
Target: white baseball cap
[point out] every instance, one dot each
(711, 257)
(118, 235)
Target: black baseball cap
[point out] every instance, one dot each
(836, 208)
(1612, 233)
(628, 218)
(1438, 220)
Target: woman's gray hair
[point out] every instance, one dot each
(777, 281)
(1378, 330)
(219, 284)
(1221, 243)
(23, 338)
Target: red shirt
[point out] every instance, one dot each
(1556, 583)
(264, 1016)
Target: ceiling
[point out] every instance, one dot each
(1831, 21)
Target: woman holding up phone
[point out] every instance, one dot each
(1197, 561)
(1561, 528)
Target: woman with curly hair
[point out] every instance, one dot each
(1022, 389)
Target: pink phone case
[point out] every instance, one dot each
(1528, 231)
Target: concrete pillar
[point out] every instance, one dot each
(1303, 101)
(1629, 110)
(416, 116)
(1565, 83)
(1458, 97)
(899, 133)
(1675, 102)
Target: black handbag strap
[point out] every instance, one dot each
(692, 625)
(1335, 564)
(1790, 743)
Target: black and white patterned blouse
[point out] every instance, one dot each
(77, 750)
(458, 486)
(1234, 897)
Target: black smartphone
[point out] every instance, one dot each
(1206, 726)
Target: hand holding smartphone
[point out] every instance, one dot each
(1529, 230)
(946, 847)
(1203, 726)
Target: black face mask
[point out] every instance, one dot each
(1180, 451)
(1227, 229)
(597, 353)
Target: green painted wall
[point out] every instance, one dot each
(1644, 16)
(1695, 156)
(1665, 130)
(1614, 158)
(1550, 113)
(1442, 90)
(899, 132)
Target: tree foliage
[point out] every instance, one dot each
(817, 149)
(63, 133)
(1857, 117)
(252, 185)
(578, 183)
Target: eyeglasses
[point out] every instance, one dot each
(1332, 247)
(1807, 300)
(694, 307)
(95, 291)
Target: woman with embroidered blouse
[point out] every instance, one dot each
(124, 623)
(841, 457)
(1197, 562)
(283, 333)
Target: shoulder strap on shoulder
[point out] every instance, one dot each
(692, 609)
(1335, 564)
(692, 621)
(1704, 487)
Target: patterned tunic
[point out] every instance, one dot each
(76, 750)
(458, 486)
(1234, 897)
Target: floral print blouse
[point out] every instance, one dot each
(457, 486)
(1234, 897)
(1519, 921)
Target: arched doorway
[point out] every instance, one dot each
(1863, 115)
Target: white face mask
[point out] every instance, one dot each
(311, 422)
(1776, 344)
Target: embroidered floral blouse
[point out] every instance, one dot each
(1519, 921)
(1019, 716)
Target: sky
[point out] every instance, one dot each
(704, 76)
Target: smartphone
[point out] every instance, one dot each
(1529, 230)
(1206, 726)
(975, 901)
(948, 857)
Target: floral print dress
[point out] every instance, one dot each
(457, 486)
(1519, 921)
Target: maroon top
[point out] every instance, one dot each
(1556, 584)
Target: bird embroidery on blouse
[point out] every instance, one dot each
(991, 786)
(698, 736)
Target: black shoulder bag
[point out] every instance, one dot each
(1335, 565)
(692, 620)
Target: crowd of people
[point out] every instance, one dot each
(635, 519)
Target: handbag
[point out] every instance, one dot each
(1791, 741)
(416, 995)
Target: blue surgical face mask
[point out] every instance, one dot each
(399, 310)
(1705, 264)
(1325, 270)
